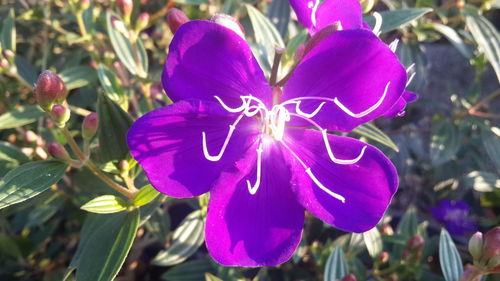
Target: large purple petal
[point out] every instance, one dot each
(354, 67)
(348, 12)
(263, 229)
(206, 59)
(367, 186)
(167, 142)
(398, 109)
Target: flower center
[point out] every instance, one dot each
(273, 124)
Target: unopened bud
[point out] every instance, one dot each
(124, 166)
(57, 151)
(415, 244)
(350, 277)
(8, 54)
(387, 229)
(85, 4)
(30, 136)
(383, 257)
(176, 18)
(142, 21)
(126, 7)
(89, 126)
(3, 63)
(49, 89)
(60, 115)
(491, 246)
(476, 245)
(229, 22)
(469, 273)
(119, 25)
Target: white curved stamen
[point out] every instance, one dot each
(340, 161)
(366, 112)
(324, 188)
(410, 79)
(253, 189)
(217, 157)
(313, 177)
(313, 12)
(410, 68)
(230, 109)
(378, 23)
(308, 115)
(394, 45)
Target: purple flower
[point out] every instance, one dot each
(454, 214)
(265, 154)
(315, 14)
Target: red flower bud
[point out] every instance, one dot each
(90, 125)
(49, 89)
(383, 257)
(491, 246)
(176, 18)
(60, 115)
(415, 244)
(126, 7)
(57, 151)
(30, 136)
(4, 63)
(142, 21)
(229, 22)
(8, 54)
(387, 229)
(350, 277)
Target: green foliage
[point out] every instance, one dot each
(20, 116)
(450, 261)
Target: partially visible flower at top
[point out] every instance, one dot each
(264, 153)
(176, 18)
(316, 14)
(454, 214)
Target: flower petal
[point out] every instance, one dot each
(398, 109)
(206, 59)
(354, 67)
(167, 142)
(263, 229)
(367, 186)
(348, 12)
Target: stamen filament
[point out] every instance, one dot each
(253, 189)
(230, 109)
(308, 115)
(366, 112)
(217, 157)
(341, 161)
(320, 185)
(394, 45)
(378, 23)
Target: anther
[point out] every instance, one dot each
(366, 112)
(340, 161)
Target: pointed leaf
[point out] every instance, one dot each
(370, 131)
(189, 271)
(146, 194)
(29, 180)
(113, 126)
(451, 263)
(77, 76)
(453, 37)
(396, 18)
(111, 85)
(445, 142)
(336, 266)
(373, 241)
(8, 35)
(105, 204)
(20, 116)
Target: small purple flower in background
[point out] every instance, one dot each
(454, 214)
(263, 153)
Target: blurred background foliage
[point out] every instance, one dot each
(59, 222)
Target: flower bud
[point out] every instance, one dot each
(350, 277)
(176, 18)
(8, 54)
(393, 277)
(491, 246)
(383, 257)
(90, 125)
(60, 115)
(84, 4)
(124, 166)
(3, 63)
(49, 89)
(415, 244)
(30, 136)
(469, 272)
(494, 262)
(142, 21)
(57, 151)
(126, 7)
(387, 229)
(476, 245)
(229, 22)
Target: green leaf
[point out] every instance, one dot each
(105, 243)
(8, 35)
(486, 36)
(113, 126)
(112, 87)
(491, 143)
(396, 18)
(26, 70)
(373, 241)
(77, 76)
(29, 180)
(336, 266)
(20, 116)
(123, 47)
(105, 204)
(451, 264)
(279, 14)
(409, 223)
(211, 277)
(445, 142)
(482, 181)
(146, 194)
(453, 37)
(159, 225)
(266, 36)
(8, 152)
(189, 271)
(187, 238)
(370, 131)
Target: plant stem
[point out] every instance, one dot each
(81, 24)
